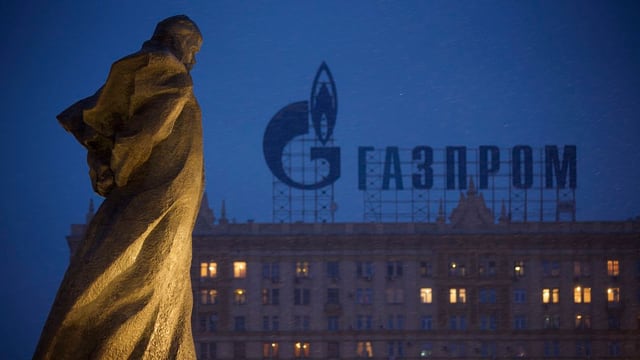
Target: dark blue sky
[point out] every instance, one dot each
(408, 73)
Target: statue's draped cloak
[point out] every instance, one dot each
(127, 292)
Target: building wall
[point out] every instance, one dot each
(502, 313)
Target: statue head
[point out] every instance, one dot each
(180, 35)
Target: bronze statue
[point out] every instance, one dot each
(127, 291)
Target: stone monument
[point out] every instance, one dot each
(127, 291)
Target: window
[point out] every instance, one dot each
(426, 269)
(426, 350)
(301, 350)
(275, 323)
(270, 296)
(365, 270)
(581, 294)
(239, 323)
(333, 323)
(239, 350)
(395, 296)
(271, 271)
(301, 322)
(364, 349)
(519, 296)
(426, 296)
(458, 322)
(395, 349)
(394, 269)
(239, 269)
(457, 269)
(614, 348)
(520, 322)
(202, 323)
(364, 296)
(550, 295)
(212, 323)
(487, 296)
(208, 296)
(457, 296)
(333, 296)
(426, 322)
(551, 268)
(364, 322)
(613, 267)
(613, 295)
(487, 268)
(240, 296)
(488, 349)
(614, 322)
(456, 349)
(518, 269)
(551, 348)
(582, 321)
(333, 349)
(302, 269)
(583, 348)
(207, 350)
(333, 270)
(581, 269)
(301, 296)
(270, 350)
(551, 321)
(208, 269)
(488, 322)
(395, 322)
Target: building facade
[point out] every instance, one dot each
(464, 288)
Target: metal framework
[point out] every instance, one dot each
(408, 204)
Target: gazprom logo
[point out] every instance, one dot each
(293, 121)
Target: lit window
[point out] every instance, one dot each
(583, 321)
(270, 350)
(551, 296)
(208, 269)
(364, 349)
(613, 295)
(518, 269)
(457, 296)
(208, 296)
(239, 269)
(301, 350)
(270, 296)
(581, 295)
(240, 296)
(302, 269)
(457, 269)
(613, 267)
(426, 296)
